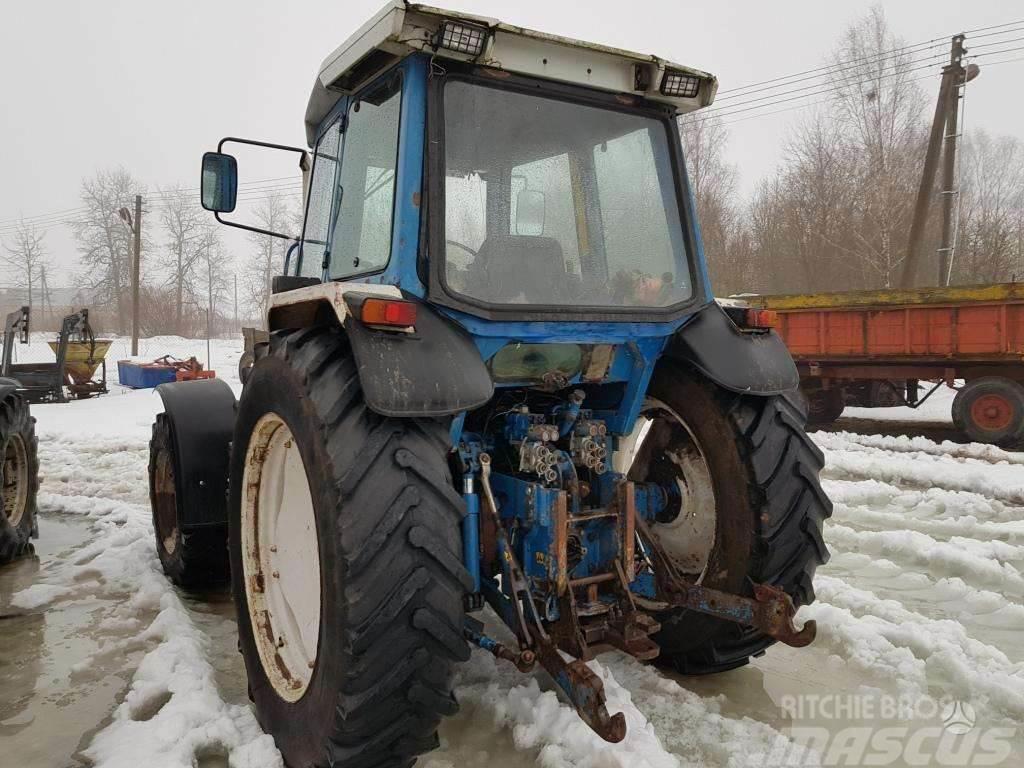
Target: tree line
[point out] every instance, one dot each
(186, 270)
(836, 213)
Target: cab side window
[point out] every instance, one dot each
(361, 241)
(320, 204)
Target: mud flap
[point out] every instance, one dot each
(747, 362)
(202, 420)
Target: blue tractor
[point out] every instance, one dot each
(496, 377)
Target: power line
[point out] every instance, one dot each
(758, 115)
(728, 111)
(786, 80)
(841, 83)
(822, 69)
(997, 42)
(995, 53)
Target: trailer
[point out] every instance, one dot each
(872, 348)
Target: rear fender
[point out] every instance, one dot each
(7, 386)
(747, 362)
(202, 420)
(435, 370)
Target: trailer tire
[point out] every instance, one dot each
(368, 680)
(19, 477)
(763, 471)
(990, 410)
(193, 559)
(824, 406)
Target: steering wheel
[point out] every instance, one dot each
(464, 247)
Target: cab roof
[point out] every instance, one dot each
(400, 29)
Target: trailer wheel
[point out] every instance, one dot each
(19, 477)
(990, 410)
(345, 547)
(194, 559)
(824, 406)
(751, 506)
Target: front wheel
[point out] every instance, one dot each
(345, 560)
(750, 507)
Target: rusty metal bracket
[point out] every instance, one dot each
(771, 610)
(584, 689)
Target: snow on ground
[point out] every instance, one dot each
(923, 597)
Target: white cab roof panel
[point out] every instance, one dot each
(400, 29)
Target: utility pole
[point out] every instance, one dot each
(237, 324)
(951, 78)
(949, 159)
(137, 258)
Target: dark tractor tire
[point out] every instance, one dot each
(824, 406)
(363, 677)
(990, 410)
(19, 478)
(767, 505)
(195, 560)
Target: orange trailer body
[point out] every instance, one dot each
(871, 348)
(974, 324)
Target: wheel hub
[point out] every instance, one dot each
(992, 412)
(662, 449)
(15, 479)
(281, 558)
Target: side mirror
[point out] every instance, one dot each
(219, 182)
(530, 212)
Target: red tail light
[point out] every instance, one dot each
(761, 318)
(393, 312)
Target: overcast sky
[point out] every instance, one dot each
(147, 85)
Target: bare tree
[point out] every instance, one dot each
(714, 182)
(213, 277)
(992, 185)
(267, 257)
(26, 260)
(879, 108)
(181, 220)
(105, 243)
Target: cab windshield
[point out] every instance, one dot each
(554, 203)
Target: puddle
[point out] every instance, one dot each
(59, 686)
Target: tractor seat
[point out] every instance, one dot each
(519, 269)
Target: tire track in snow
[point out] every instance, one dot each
(923, 504)
(973, 561)
(844, 460)
(981, 452)
(952, 596)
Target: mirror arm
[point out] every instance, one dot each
(234, 139)
(282, 235)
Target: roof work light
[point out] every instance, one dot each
(679, 84)
(461, 37)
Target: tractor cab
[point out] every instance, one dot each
(495, 376)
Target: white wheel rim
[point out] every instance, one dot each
(281, 558)
(14, 474)
(689, 538)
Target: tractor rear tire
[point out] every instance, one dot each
(19, 478)
(196, 559)
(990, 410)
(769, 509)
(368, 680)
